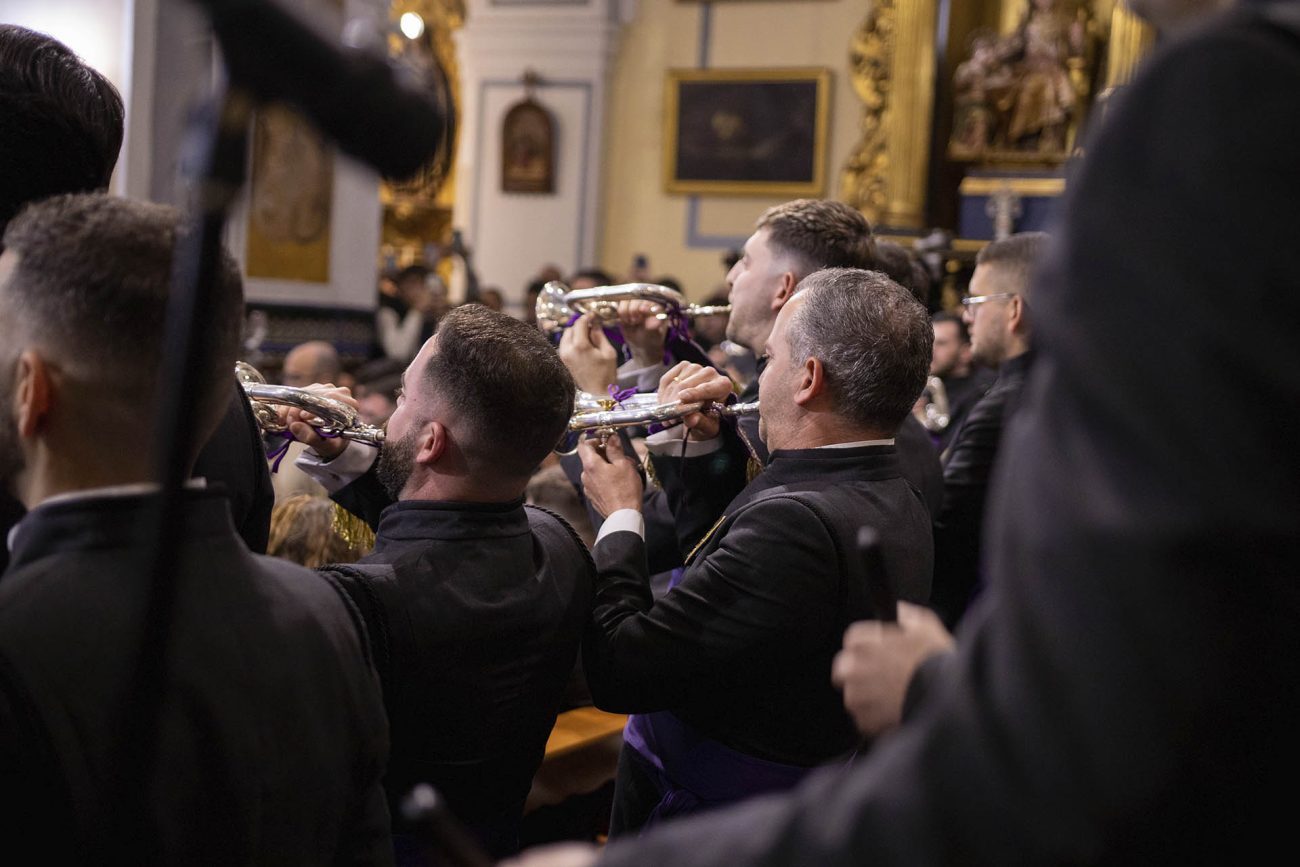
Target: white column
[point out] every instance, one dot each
(570, 46)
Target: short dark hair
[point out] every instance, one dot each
(819, 233)
(1015, 258)
(963, 333)
(92, 283)
(873, 338)
(63, 121)
(508, 382)
(902, 266)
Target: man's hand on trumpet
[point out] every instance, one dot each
(590, 357)
(610, 480)
(300, 421)
(688, 382)
(643, 331)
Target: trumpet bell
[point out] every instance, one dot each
(556, 304)
(553, 312)
(336, 418)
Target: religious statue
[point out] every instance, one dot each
(979, 81)
(1023, 93)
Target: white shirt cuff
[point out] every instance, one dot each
(630, 520)
(641, 378)
(668, 444)
(337, 474)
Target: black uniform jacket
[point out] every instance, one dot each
(272, 741)
(917, 457)
(741, 648)
(232, 461)
(966, 475)
(475, 613)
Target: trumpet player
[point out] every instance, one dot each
(474, 603)
(789, 242)
(727, 673)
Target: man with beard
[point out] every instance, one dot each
(271, 737)
(475, 603)
(963, 382)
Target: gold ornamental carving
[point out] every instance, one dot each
(891, 58)
(417, 210)
(862, 182)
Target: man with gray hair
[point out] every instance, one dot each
(728, 672)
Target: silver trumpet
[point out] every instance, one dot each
(932, 407)
(335, 417)
(557, 303)
(602, 416)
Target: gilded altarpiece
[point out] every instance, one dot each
(1003, 95)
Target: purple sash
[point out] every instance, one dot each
(696, 773)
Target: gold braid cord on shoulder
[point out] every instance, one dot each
(355, 532)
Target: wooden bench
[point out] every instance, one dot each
(581, 756)
(581, 727)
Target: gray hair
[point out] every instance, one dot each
(873, 338)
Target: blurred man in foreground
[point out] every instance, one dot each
(271, 739)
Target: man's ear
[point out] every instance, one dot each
(1018, 315)
(784, 292)
(34, 393)
(433, 442)
(812, 381)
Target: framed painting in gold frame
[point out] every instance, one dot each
(746, 131)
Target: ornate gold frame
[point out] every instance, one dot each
(892, 64)
(891, 59)
(819, 76)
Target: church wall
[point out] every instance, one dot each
(567, 44)
(686, 236)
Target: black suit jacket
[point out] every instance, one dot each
(475, 613)
(963, 393)
(273, 739)
(917, 458)
(1126, 689)
(232, 461)
(741, 648)
(966, 475)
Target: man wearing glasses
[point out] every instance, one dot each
(997, 314)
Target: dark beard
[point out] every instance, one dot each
(396, 461)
